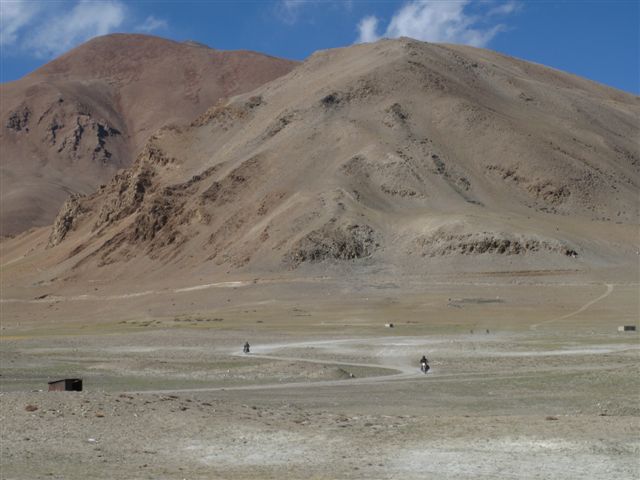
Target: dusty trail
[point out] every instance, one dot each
(75, 298)
(408, 376)
(243, 283)
(579, 310)
(399, 373)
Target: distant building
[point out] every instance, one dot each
(627, 328)
(66, 385)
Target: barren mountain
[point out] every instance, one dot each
(70, 125)
(398, 156)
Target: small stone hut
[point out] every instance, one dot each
(66, 385)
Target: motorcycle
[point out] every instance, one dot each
(424, 367)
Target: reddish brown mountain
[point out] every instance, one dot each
(70, 125)
(394, 160)
(399, 155)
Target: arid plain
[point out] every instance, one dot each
(529, 375)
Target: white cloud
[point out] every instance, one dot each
(438, 21)
(151, 24)
(505, 8)
(87, 19)
(15, 15)
(290, 11)
(43, 29)
(367, 28)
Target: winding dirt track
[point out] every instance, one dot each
(398, 373)
(235, 284)
(579, 310)
(123, 296)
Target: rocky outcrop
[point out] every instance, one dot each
(129, 189)
(549, 194)
(226, 189)
(87, 137)
(66, 219)
(19, 119)
(224, 116)
(332, 242)
(444, 243)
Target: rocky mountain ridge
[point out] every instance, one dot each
(401, 154)
(71, 124)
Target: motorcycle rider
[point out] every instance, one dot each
(424, 364)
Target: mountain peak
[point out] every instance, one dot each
(398, 154)
(194, 43)
(89, 112)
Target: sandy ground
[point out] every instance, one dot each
(551, 391)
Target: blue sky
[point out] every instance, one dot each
(599, 40)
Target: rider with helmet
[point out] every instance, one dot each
(424, 364)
